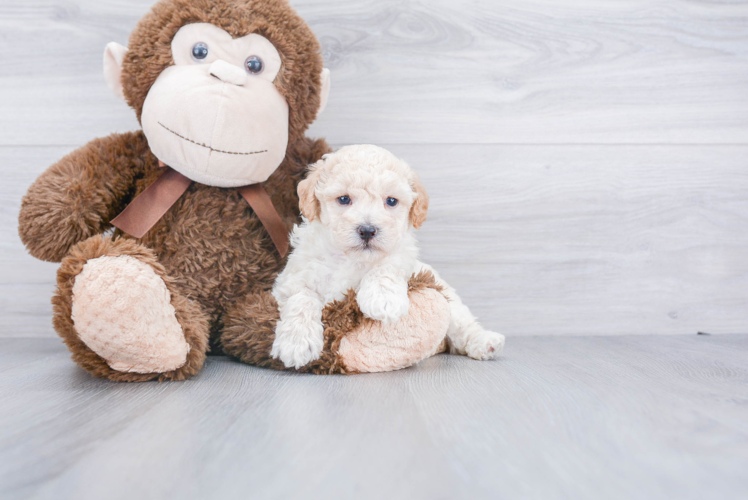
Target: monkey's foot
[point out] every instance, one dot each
(122, 311)
(377, 347)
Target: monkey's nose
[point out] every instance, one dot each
(228, 73)
(367, 232)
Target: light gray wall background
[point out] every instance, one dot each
(587, 160)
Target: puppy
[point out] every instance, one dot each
(360, 206)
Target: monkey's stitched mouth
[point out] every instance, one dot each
(209, 147)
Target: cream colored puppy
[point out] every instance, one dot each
(360, 206)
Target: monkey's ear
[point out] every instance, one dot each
(114, 54)
(421, 206)
(325, 91)
(308, 202)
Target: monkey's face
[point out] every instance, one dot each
(215, 115)
(221, 87)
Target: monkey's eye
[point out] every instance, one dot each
(344, 200)
(199, 51)
(254, 65)
(391, 202)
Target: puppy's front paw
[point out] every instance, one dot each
(297, 344)
(383, 305)
(484, 344)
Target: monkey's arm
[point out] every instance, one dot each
(76, 198)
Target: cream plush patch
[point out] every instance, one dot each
(122, 311)
(375, 347)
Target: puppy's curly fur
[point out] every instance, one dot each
(252, 330)
(361, 206)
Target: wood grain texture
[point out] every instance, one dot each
(26, 284)
(574, 239)
(442, 71)
(591, 240)
(636, 238)
(583, 418)
(551, 240)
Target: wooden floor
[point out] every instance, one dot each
(557, 417)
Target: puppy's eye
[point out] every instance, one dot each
(391, 202)
(344, 200)
(200, 51)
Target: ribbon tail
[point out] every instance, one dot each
(149, 206)
(262, 205)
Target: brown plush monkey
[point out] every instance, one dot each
(224, 90)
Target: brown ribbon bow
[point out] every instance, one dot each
(149, 206)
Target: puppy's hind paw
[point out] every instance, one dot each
(485, 345)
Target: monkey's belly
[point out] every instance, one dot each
(215, 248)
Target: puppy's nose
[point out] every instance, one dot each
(367, 232)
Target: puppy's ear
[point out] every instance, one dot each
(421, 206)
(308, 202)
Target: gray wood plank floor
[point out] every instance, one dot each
(587, 167)
(573, 417)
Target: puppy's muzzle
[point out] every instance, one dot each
(367, 233)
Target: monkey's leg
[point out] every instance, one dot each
(249, 330)
(121, 317)
(352, 343)
(376, 347)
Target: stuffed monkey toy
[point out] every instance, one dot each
(170, 237)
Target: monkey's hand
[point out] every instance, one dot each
(78, 196)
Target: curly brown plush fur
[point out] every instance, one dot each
(213, 254)
(193, 320)
(210, 248)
